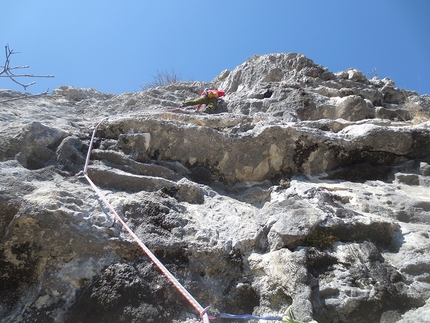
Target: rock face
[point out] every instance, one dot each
(306, 188)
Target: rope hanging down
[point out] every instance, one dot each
(202, 311)
(148, 252)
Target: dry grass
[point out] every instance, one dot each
(418, 113)
(162, 78)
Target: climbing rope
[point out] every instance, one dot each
(148, 252)
(203, 312)
(287, 317)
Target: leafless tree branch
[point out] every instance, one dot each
(6, 70)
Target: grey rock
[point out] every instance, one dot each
(71, 93)
(425, 169)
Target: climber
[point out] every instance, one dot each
(209, 97)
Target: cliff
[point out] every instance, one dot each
(306, 188)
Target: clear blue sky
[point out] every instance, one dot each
(116, 46)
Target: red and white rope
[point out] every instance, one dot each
(148, 252)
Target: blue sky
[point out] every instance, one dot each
(116, 46)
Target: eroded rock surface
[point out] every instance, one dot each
(306, 188)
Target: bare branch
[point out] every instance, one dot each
(27, 75)
(7, 70)
(23, 66)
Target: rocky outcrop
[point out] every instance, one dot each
(293, 87)
(306, 188)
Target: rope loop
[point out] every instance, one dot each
(214, 313)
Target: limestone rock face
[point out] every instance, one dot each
(306, 189)
(293, 87)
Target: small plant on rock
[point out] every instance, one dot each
(162, 78)
(373, 73)
(320, 240)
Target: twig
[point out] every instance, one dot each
(27, 75)
(7, 70)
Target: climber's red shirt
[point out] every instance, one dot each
(213, 93)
